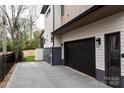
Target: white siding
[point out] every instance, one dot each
(122, 52)
(48, 27)
(57, 41)
(100, 62)
(110, 24)
(57, 15)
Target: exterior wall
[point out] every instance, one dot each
(100, 75)
(57, 16)
(57, 40)
(71, 11)
(38, 54)
(53, 55)
(75, 11)
(57, 20)
(57, 56)
(49, 50)
(47, 55)
(98, 29)
(122, 52)
(48, 27)
(122, 81)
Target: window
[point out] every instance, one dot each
(48, 12)
(44, 40)
(51, 37)
(62, 10)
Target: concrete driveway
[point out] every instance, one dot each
(43, 75)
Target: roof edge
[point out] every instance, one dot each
(44, 8)
(90, 10)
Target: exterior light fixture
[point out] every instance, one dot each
(98, 42)
(51, 37)
(61, 44)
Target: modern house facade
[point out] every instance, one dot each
(88, 38)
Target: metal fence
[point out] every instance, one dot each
(6, 63)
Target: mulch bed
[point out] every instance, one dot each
(4, 82)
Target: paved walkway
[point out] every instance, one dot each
(43, 75)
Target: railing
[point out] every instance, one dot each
(6, 63)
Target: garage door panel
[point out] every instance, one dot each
(80, 55)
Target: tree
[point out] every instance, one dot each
(26, 42)
(9, 45)
(20, 27)
(12, 13)
(3, 31)
(36, 39)
(0, 45)
(33, 16)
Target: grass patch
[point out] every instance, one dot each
(29, 58)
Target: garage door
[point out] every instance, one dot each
(80, 55)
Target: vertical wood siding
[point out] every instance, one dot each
(71, 11)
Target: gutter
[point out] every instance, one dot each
(44, 8)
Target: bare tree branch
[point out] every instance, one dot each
(8, 18)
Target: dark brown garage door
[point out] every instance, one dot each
(80, 55)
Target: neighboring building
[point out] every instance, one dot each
(88, 38)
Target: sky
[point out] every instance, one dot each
(40, 21)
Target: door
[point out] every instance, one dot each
(80, 55)
(112, 59)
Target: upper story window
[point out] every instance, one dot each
(62, 10)
(48, 12)
(51, 37)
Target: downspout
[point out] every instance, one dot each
(53, 35)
